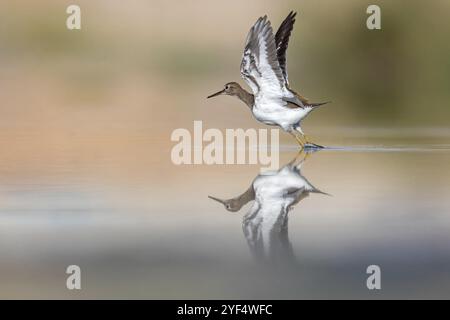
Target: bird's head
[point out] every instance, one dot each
(232, 205)
(231, 89)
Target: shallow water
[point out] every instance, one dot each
(141, 227)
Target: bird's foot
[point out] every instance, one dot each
(305, 145)
(310, 145)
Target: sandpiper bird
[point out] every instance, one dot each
(275, 193)
(263, 67)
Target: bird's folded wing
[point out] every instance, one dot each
(260, 66)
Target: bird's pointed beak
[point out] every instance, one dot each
(217, 199)
(216, 94)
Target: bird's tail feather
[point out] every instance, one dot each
(318, 104)
(320, 192)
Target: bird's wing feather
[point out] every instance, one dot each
(260, 67)
(282, 41)
(293, 99)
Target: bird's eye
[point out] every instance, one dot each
(227, 87)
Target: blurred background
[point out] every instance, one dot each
(85, 171)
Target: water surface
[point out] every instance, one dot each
(141, 227)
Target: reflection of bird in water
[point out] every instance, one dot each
(275, 193)
(263, 67)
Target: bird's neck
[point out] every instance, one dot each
(247, 196)
(246, 97)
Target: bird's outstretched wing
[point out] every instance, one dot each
(282, 41)
(260, 67)
(295, 99)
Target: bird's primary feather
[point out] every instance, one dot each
(282, 41)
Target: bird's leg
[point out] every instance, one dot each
(305, 138)
(302, 137)
(306, 141)
(297, 138)
(299, 131)
(311, 144)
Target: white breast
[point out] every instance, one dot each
(274, 111)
